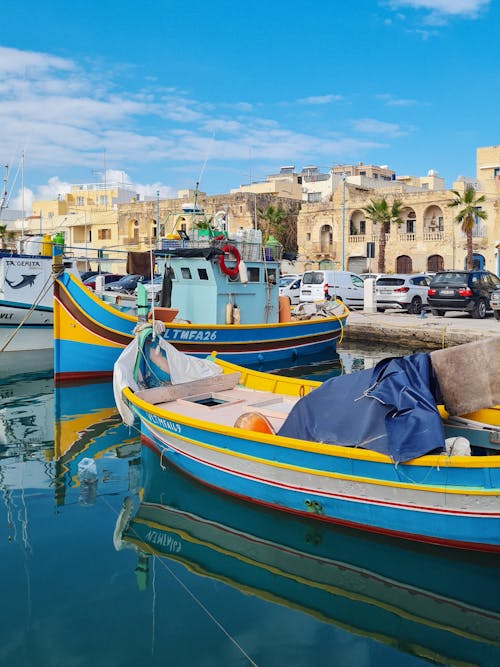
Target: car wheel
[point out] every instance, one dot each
(415, 307)
(496, 314)
(479, 310)
(437, 313)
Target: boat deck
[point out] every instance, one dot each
(225, 407)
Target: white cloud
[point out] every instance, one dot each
(392, 101)
(320, 99)
(448, 7)
(378, 127)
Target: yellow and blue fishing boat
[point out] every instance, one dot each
(221, 300)
(371, 450)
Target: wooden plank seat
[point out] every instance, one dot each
(172, 392)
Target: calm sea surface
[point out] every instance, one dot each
(141, 566)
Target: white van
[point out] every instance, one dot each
(343, 285)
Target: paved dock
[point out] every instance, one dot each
(412, 331)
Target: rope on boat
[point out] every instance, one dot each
(49, 282)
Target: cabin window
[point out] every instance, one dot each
(253, 274)
(103, 234)
(271, 276)
(186, 272)
(202, 274)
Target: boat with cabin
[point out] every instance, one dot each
(216, 294)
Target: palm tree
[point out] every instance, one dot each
(379, 212)
(271, 221)
(467, 215)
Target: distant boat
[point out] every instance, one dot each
(426, 601)
(217, 296)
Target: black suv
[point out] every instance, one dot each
(467, 291)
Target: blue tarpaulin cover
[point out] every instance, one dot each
(390, 409)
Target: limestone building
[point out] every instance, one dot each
(335, 232)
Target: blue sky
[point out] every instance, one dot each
(163, 94)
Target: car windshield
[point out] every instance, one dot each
(313, 278)
(390, 282)
(451, 278)
(284, 282)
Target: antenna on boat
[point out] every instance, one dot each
(3, 198)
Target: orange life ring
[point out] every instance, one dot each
(230, 271)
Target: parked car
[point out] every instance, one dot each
(407, 292)
(343, 285)
(495, 303)
(375, 276)
(155, 287)
(127, 284)
(290, 286)
(87, 274)
(467, 291)
(108, 278)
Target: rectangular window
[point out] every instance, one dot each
(313, 197)
(308, 236)
(362, 226)
(104, 200)
(202, 274)
(104, 234)
(253, 274)
(186, 272)
(80, 201)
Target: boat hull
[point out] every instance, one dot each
(23, 327)
(453, 503)
(89, 335)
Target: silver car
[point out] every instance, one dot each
(407, 292)
(495, 303)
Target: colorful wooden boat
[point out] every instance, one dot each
(90, 333)
(443, 604)
(436, 498)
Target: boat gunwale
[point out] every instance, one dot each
(442, 460)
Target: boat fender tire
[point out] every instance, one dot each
(234, 270)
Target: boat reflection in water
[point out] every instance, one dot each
(87, 425)
(429, 601)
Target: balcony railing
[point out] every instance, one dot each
(433, 236)
(356, 238)
(406, 238)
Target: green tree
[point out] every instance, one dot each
(379, 212)
(3, 234)
(470, 210)
(272, 220)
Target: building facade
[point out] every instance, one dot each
(336, 233)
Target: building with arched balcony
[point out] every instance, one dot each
(428, 237)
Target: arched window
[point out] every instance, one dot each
(404, 264)
(134, 231)
(326, 238)
(435, 263)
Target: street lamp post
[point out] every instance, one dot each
(343, 220)
(158, 213)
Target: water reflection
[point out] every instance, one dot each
(440, 603)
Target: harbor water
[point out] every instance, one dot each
(110, 557)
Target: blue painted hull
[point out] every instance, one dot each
(431, 499)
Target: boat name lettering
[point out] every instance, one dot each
(31, 263)
(170, 426)
(162, 539)
(6, 316)
(193, 334)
